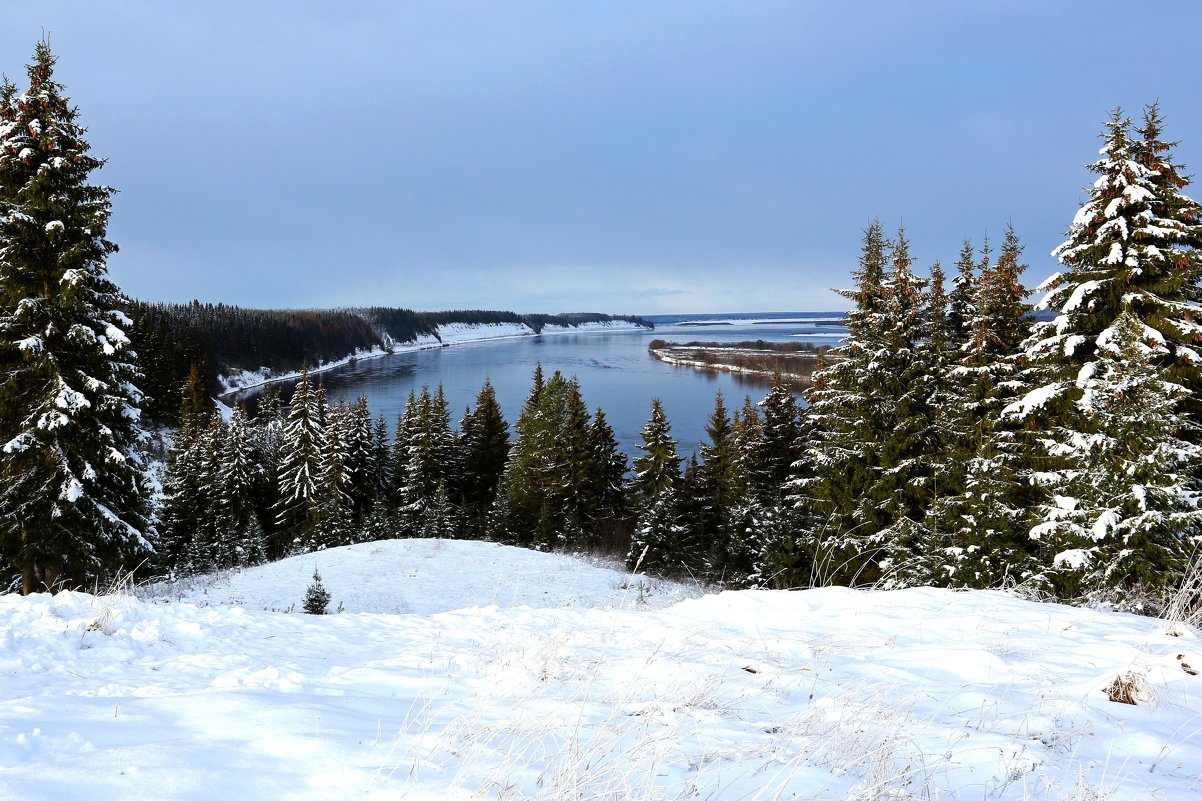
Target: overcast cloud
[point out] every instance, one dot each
(611, 156)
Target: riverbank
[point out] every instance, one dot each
(235, 381)
(794, 361)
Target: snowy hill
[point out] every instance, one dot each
(428, 576)
(522, 675)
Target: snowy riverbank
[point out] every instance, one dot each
(233, 381)
(472, 670)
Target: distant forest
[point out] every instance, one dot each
(171, 338)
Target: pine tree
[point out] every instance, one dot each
(239, 478)
(1132, 255)
(317, 598)
(1122, 516)
(852, 415)
(485, 436)
(182, 508)
(303, 439)
(609, 471)
(653, 492)
(73, 496)
(960, 306)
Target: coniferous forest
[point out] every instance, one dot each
(965, 437)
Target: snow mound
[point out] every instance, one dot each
(424, 576)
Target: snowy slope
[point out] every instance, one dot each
(427, 576)
(825, 694)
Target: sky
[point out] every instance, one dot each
(616, 156)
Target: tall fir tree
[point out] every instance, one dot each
(485, 443)
(1131, 260)
(653, 493)
(609, 472)
(724, 487)
(1122, 517)
(960, 304)
(303, 440)
(980, 515)
(851, 422)
(239, 479)
(73, 495)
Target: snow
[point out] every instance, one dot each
(1082, 291)
(422, 576)
(1035, 399)
(1075, 559)
(32, 344)
(470, 670)
(70, 400)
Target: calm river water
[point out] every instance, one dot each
(614, 369)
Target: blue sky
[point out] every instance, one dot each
(612, 156)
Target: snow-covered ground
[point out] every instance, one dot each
(471, 670)
(449, 334)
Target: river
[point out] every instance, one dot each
(614, 369)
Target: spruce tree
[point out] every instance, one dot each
(609, 471)
(852, 417)
(303, 440)
(182, 509)
(239, 479)
(333, 507)
(552, 484)
(485, 435)
(424, 507)
(73, 496)
(659, 465)
(1132, 255)
(1122, 517)
(653, 492)
(960, 304)
(780, 439)
(317, 597)
(723, 486)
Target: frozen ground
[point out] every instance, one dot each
(470, 670)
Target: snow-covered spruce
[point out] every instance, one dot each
(72, 490)
(1113, 389)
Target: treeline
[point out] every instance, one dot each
(171, 338)
(318, 474)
